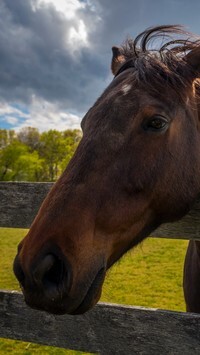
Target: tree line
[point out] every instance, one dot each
(29, 155)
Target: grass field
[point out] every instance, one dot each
(150, 275)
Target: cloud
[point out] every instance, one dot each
(10, 116)
(11, 120)
(66, 8)
(46, 54)
(42, 114)
(6, 109)
(45, 115)
(58, 51)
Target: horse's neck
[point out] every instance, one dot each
(197, 245)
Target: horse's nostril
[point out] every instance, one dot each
(43, 268)
(51, 275)
(56, 273)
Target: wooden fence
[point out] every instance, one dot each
(108, 328)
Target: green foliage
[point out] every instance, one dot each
(72, 139)
(53, 149)
(18, 164)
(31, 156)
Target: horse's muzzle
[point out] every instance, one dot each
(47, 284)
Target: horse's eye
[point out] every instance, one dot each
(155, 123)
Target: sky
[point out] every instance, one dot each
(55, 55)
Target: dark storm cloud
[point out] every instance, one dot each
(35, 57)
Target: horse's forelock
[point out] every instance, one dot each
(161, 39)
(158, 56)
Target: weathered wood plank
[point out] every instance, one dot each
(19, 203)
(107, 329)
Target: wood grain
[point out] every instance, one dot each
(20, 202)
(107, 329)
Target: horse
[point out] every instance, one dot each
(137, 166)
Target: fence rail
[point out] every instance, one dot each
(108, 328)
(20, 201)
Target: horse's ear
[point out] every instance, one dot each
(193, 59)
(117, 60)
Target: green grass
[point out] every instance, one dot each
(150, 275)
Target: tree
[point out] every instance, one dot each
(29, 167)
(17, 163)
(72, 139)
(29, 136)
(6, 137)
(52, 150)
(31, 156)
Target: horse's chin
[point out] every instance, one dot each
(67, 305)
(93, 294)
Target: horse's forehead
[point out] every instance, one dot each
(126, 88)
(123, 91)
(124, 98)
(131, 91)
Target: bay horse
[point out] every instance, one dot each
(137, 166)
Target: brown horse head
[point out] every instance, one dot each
(137, 166)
